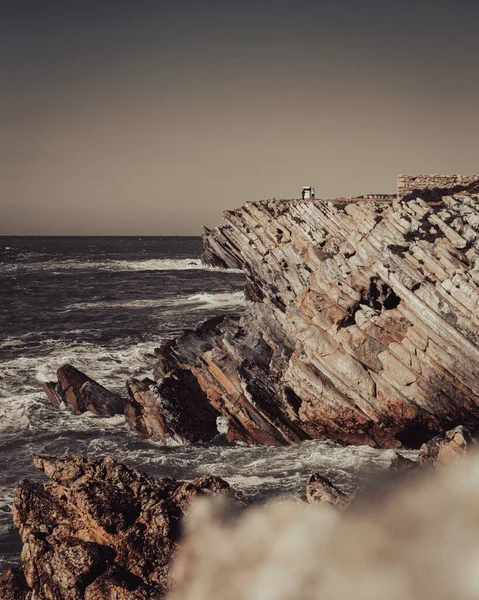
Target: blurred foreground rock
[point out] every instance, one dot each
(99, 530)
(420, 541)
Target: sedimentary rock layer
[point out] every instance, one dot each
(99, 530)
(362, 322)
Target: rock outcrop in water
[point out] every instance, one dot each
(99, 530)
(82, 394)
(362, 324)
(319, 490)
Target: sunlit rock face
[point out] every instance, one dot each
(418, 539)
(362, 323)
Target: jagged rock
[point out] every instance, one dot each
(99, 530)
(447, 448)
(215, 253)
(83, 394)
(319, 490)
(362, 324)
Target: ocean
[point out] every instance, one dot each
(103, 304)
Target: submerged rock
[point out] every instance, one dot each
(99, 530)
(361, 327)
(83, 394)
(319, 490)
(401, 464)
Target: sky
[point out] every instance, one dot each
(143, 117)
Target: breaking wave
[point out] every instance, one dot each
(156, 264)
(213, 299)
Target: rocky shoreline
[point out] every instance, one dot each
(100, 530)
(361, 327)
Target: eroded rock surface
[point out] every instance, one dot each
(99, 530)
(82, 394)
(362, 324)
(442, 450)
(174, 409)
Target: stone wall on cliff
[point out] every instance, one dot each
(434, 186)
(362, 322)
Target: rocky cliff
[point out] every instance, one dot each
(362, 324)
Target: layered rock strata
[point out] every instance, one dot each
(99, 530)
(362, 323)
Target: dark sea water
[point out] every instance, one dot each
(103, 304)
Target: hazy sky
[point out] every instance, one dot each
(152, 117)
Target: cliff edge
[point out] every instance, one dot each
(362, 322)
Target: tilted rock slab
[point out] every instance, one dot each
(82, 394)
(362, 324)
(99, 530)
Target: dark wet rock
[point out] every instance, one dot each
(82, 394)
(176, 408)
(99, 530)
